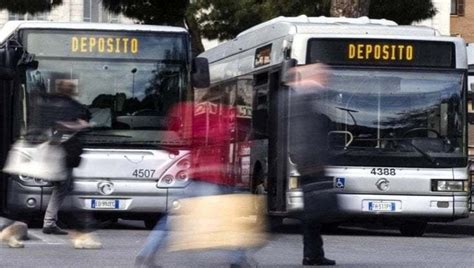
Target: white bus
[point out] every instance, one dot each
(127, 77)
(396, 102)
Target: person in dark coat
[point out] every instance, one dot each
(62, 114)
(308, 151)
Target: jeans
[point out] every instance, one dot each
(60, 191)
(159, 234)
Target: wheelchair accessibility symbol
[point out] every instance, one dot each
(340, 183)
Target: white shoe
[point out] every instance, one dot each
(86, 241)
(14, 243)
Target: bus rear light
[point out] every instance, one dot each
(449, 186)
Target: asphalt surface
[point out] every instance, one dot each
(443, 245)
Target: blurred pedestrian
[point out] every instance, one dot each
(13, 232)
(308, 150)
(62, 115)
(208, 174)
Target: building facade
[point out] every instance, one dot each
(462, 19)
(70, 11)
(441, 21)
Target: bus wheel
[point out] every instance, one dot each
(274, 223)
(413, 228)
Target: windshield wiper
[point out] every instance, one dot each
(418, 149)
(428, 157)
(425, 154)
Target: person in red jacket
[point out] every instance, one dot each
(210, 134)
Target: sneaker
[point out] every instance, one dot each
(54, 230)
(318, 262)
(15, 243)
(86, 241)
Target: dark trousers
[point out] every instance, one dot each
(312, 240)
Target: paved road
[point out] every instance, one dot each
(444, 245)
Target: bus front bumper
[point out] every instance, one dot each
(144, 197)
(443, 207)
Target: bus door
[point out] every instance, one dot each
(277, 144)
(243, 116)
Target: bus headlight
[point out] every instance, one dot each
(177, 176)
(450, 186)
(182, 176)
(30, 181)
(293, 183)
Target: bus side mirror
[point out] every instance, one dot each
(285, 67)
(27, 61)
(200, 73)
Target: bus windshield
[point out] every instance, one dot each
(127, 82)
(395, 118)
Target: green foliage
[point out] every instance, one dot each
(29, 6)
(224, 19)
(161, 12)
(404, 12)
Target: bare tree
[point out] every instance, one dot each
(349, 8)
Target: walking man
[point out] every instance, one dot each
(63, 115)
(308, 150)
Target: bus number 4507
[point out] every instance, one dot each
(143, 173)
(383, 171)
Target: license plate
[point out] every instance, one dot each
(381, 206)
(105, 203)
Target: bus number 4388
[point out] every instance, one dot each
(383, 171)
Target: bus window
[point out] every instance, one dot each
(244, 109)
(260, 109)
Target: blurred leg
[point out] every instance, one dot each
(154, 242)
(312, 240)
(60, 190)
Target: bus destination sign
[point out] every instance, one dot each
(370, 52)
(104, 44)
(107, 44)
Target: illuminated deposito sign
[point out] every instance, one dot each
(107, 44)
(104, 44)
(381, 52)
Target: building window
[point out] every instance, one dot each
(27, 16)
(113, 18)
(15, 16)
(95, 12)
(457, 7)
(92, 10)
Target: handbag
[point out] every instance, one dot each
(228, 221)
(73, 149)
(43, 161)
